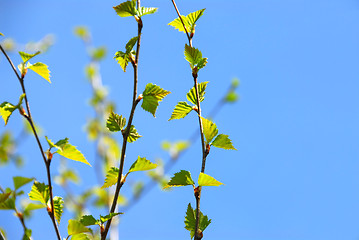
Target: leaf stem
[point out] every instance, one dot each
(184, 25)
(46, 161)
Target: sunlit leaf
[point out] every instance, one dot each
(39, 192)
(206, 180)
(27, 56)
(98, 53)
(190, 221)
(6, 109)
(133, 135)
(130, 44)
(209, 129)
(58, 206)
(81, 236)
(108, 217)
(21, 181)
(122, 59)
(69, 151)
(182, 178)
(76, 227)
(111, 177)
(194, 57)
(189, 21)
(41, 69)
(145, 10)
(231, 97)
(181, 110)
(222, 141)
(142, 164)
(82, 32)
(88, 220)
(126, 9)
(115, 122)
(152, 95)
(191, 95)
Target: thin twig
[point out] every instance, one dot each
(184, 25)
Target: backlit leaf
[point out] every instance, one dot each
(190, 221)
(206, 180)
(21, 181)
(39, 192)
(81, 236)
(152, 95)
(126, 9)
(131, 43)
(181, 110)
(98, 53)
(88, 220)
(191, 95)
(182, 178)
(222, 141)
(209, 129)
(115, 122)
(122, 59)
(108, 217)
(133, 135)
(58, 206)
(145, 10)
(142, 164)
(111, 177)
(41, 69)
(189, 21)
(76, 227)
(6, 109)
(69, 151)
(194, 57)
(27, 56)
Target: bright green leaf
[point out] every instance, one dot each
(122, 59)
(81, 236)
(206, 180)
(108, 217)
(181, 110)
(21, 181)
(126, 9)
(191, 95)
(62, 143)
(209, 129)
(98, 53)
(193, 17)
(27, 234)
(88, 220)
(115, 122)
(152, 95)
(142, 164)
(133, 135)
(194, 57)
(27, 56)
(190, 221)
(76, 227)
(189, 21)
(111, 177)
(131, 43)
(222, 141)
(69, 151)
(6, 109)
(39, 192)
(142, 11)
(182, 178)
(33, 206)
(58, 206)
(231, 97)
(41, 69)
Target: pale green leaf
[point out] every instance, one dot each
(41, 69)
(108, 217)
(69, 151)
(182, 178)
(21, 181)
(222, 141)
(142, 164)
(58, 206)
(191, 95)
(194, 57)
(209, 129)
(82, 32)
(88, 220)
(152, 95)
(126, 9)
(177, 24)
(133, 135)
(112, 147)
(51, 144)
(115, 122)
(206, 180)
(190, 221)
(145, 10)
(33, 206)
(181, 110)
(231, 97)
(27, 56)
(81, 236)
(193, 17)
(6, 109)
(189, 21)
(39, 192)
(62, 143)
(76, 227)
(111, 177)
(131, 43)
(122, 59)
(98, 53)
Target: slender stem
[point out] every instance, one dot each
(46, 161)
(184, 25)
(126, 133)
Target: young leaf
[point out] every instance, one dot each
(8, 204)
(209, 129)
(126, 9)
(130, 44)
(193, 17)
(39, 192)
(27, 56)
(108, 217)
(4, 196)
(88, 220)
(146, 10)
(115, 122)
(58, 206)
(21, 181)
(122, 59)
(6, 109)
(69, 151)
(41, 69)
(222, 141)
(191, 95)
(190, 221)
(189, 21)
(142, 164)
(194, 57)
(206, 180)
(33, 206)
(177, 24)
(81, 236)
(98, 53)
(182, 178)
(181, 110)
(111, 177)
(27, 234)
(76, 227)
(152, 95)
(133, 135)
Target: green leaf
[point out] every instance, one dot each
(190, 221)
(152, 95)
(181, 110)
(4, 196)
(182, 178)
(27, 56)
(6, 109)
(222, 141)
(111, 177)
(122, 59)
(189, 21)
(81, 236)
(115, 122)
(206, 180)
(108, 217)
(142, 164)
(21, 181)
(41, 69)
(76, 227)
(40, 192)
(145, 11)
(58, 206)
(194, 57)
(126, 9)
(191, 95)
(8, 204)
(82, 32)
(209, 129)
(33, 206)
(193, 17)
(231, 97)
(131, 43)
(88, 220)
(98, 53)
(133, 135)
(51, 144)
(69, 151)
(27, 234)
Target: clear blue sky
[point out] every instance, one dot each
(295, 175)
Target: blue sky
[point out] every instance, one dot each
(295, 174)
